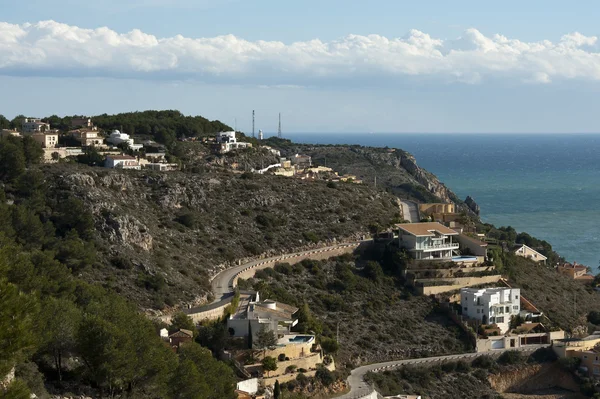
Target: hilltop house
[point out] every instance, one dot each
(9, 133)
(491, 305)
(33, 125)
(301, 161)
(121, 162)
(88, 137)
(255, 314)
(529, 253)
(46, 139)
(226, 141)
(116, 138)
(81, 121)
(427, 241)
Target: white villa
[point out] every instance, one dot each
(491, 305)
(116, 138)
(33, 125)
(228, 142)
(121, 162)
(428, 241)
(255, 314)
(529, 253)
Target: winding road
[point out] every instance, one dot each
(223, 285)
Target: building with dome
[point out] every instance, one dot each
(116, 138)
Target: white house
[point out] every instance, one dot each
(227, 142)
(121, 162)
(33, 125)
(116, 138)
(428, 241)
(529, 253)
(256, 314)
(491, 305)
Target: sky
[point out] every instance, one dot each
(327, 66)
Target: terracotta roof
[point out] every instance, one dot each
(426, 229)
(528, 327)
(183, 331)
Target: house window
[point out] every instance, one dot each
(516, 297)
(515, 307)
(596, 371)
(499, 319)
(465, 309)
(478, 311)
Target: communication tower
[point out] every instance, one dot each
(279, 129)
(253, 123)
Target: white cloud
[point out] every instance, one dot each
(51, 48)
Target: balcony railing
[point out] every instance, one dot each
(434, 247)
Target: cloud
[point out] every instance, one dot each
(49, 48)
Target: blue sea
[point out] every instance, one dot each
(545, 184)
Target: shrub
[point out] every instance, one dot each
(331, 184)
(570, 363)
(188, 219)
(483, 362)
(511, 357)
(291, 368)
(463, 367)
(480, 374)
(311, 236)
(281, 357)
(325, 376)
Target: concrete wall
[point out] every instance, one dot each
(293, 351)
(269, 382)
(445, 273)
(504, 342)
(458, 283)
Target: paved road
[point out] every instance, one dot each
(222, 286)
(359, 388)
(222, 283)
(410, 211)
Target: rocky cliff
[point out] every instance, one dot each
(394, 169)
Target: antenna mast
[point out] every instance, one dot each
(279, 129)
(253, 123)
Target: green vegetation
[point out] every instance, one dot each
(78, 335)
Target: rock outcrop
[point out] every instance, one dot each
(473, 206)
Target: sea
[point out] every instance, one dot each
(547, 185)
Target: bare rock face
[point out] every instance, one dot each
(127, 230)
(425, 178)
(473, 206)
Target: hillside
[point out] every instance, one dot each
(395, 169)
(565, 301)
(360, 302)
(161, 235)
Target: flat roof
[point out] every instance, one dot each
(426, 229)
